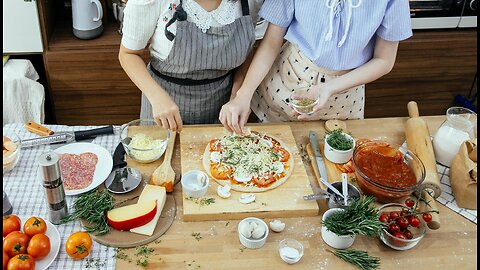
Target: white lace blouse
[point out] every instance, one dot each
(145, 20)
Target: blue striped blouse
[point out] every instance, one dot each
(339, 34)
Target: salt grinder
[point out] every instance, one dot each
(53, 185)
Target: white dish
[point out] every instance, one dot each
(338, 156)
(192, 185)
(102, 170)
(251, 242)
(332, 239)
(55, 242)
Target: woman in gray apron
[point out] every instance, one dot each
(197, 74)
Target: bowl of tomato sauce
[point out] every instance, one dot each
(386, 171)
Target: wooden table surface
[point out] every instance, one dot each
(453, 246)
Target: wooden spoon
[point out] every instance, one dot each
(164, 175)
(331, 125)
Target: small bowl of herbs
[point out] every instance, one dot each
(303, 101)
(339, 146)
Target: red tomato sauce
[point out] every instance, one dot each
(385, 165)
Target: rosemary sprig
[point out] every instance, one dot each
(197, 236)
(92, 207)
(359, 258)
(337, 140)
(358, 218)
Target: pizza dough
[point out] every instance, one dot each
(249, 185)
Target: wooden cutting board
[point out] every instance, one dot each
(283, 201)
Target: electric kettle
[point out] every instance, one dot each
(87, 18)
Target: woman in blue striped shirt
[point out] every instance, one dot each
(333, 48)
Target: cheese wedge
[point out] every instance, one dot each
(149, 193)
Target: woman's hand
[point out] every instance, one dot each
(166, 113)
(234, 114)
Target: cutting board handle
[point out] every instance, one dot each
(413, 109)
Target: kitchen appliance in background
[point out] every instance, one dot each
(469, 15)
(435, 14)
(118, 7)
(87, 18)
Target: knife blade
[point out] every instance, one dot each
(318, 155)
(316, 196)
(68, 137)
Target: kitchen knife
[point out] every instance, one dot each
(316, 196)
(67, 137)
(318, 155)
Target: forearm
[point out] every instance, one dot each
(136, 70)
(263, 60)
(240, 73)
(381, 64)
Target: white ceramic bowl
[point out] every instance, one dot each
(332, 239)
(250, 242)
(11, 160)
(338, 156)
(191, 185)
(291, 244)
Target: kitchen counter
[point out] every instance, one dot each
(453, 246)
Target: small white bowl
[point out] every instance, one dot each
(191, 185)
(250, 242)
(332, 239)
(287, 254)
(338, 156)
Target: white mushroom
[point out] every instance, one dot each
(277, 225)
(258, 232)
(224, 191)
(247, 198)
(201, 179)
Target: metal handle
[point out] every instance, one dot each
(99, 10)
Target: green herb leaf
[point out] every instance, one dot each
(337, 140)
(359, 258)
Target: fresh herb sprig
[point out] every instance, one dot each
(92, 207)
(337, 140)
(358, 218)
(359, 258)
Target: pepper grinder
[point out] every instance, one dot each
(53, 185)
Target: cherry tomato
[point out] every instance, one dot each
(402, 222)
(408, 234)
(409, 202)
(21, 262)
(384, 218)
(220, 172)
(414, 221)
(15, 243)
(11, 223)
(5, 260)
(427, 217)
(34, 225)
(78, 245)
(394, 215)
(393, 228)
(397, 241)
(39, 246)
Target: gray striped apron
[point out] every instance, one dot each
(197, 74)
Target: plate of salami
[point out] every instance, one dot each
(84, 166)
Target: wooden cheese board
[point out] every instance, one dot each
(283, 201)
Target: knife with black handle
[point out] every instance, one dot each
(68, 137)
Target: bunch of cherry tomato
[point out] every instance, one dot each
(399, 222)
(21, 249)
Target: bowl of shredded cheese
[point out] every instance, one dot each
(144, 141)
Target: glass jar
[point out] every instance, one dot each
(459, 127)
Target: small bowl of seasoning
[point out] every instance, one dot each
(290, 250)
(194, 184)
(303, 101)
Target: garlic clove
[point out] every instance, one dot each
(258, 232)
(277, 226)
(245, 230)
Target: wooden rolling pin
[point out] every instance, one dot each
(419, 142)
(435, 222)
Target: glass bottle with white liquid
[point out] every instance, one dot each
(459, 127)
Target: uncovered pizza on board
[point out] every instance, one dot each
(253, 162)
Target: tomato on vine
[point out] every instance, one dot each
(384, 218)
(414, 221)
(409, 202)
(427, 217)
(402, 222)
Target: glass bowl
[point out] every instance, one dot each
(290, 250)
(148, 142)
(303, 101)
(399, 243)
(396, 188)
(11, 152)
